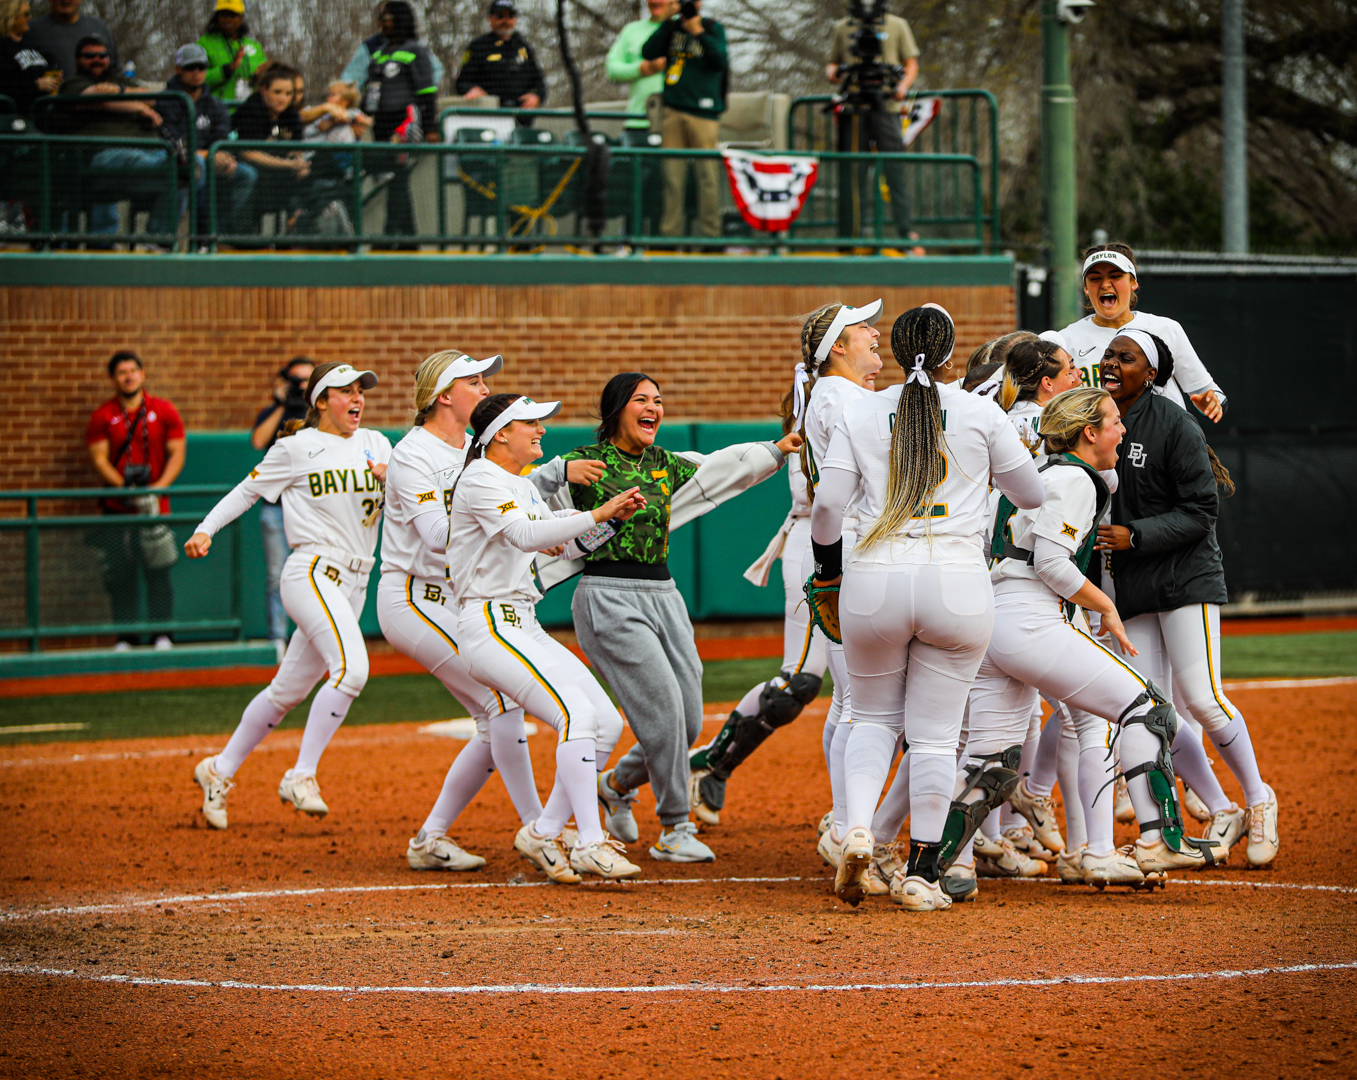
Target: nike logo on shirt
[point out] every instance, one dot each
(1085, 352)
(322, 449)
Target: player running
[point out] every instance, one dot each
(328, 471)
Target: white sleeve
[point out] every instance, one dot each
(527, 535)
(1022, 485)
(433, 530)
(233, 504)
(1188, 370)
(267, 480)
(1055, 568)
(1111, 479)
(836, 487)
(1066, 514)
(1006, 448)
(840, 453)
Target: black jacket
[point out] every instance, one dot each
(212, 120)
(1167, 496)
(22, 64)
(400, 76)
(507, 69)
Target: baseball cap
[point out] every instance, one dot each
(503, 7)
(238, 6)
(343, 376)
(846, 317)
(464, 367)
(523, 408)
(1116, 258)
(189, 54)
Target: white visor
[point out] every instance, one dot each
(1116, 258)
(464, 367)
(522, 409)
(343, 376)
(846, 317)
(1055, 337)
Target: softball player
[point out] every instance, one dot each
(1171, 581)
(497, 521)
(413, 594)
(328, 474)
(916, 605)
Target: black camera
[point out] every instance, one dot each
(136, 475)
(296, 393)
(687, 10)
(867, 81)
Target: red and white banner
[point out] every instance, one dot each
(919, 116)
(769, 191)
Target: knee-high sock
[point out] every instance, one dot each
(328, 709)
(890, 815)
(1095, 769)
(827, 741)
(1236, 747)
(1067, 769)
(838, 781)
(259, 718)
(466, 776)
(932, 779)
(1008, 817)
(1138, 745)
(509, 749)
(557, 811)
(749, 704)
(1045, 762)
(1189, 762)
(577, 773)
(866, 764)
(993, 824)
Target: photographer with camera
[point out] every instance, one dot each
(874, 61)
(136, 441)
(289, 403)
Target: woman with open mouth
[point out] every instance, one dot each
(1171, 581)
(632, 623)
(327, 470)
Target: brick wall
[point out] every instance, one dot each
(720, 353)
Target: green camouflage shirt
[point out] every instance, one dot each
(658, 473)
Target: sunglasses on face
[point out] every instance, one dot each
(194, 67)
(94, 56)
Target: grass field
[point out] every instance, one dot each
(215, 710)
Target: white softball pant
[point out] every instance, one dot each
(803, 649)
(325, 600)
(1180, 651)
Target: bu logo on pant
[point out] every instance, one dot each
(332, 573)
(433, 594)
(509, 615)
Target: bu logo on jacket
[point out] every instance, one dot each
(1136, 455)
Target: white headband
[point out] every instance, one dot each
(1116, 258)
(844, 318)
(523, 408)
(1146, 343)
(951, 320)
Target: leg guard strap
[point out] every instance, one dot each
(997, 778)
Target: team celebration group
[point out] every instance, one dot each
(1034, 525)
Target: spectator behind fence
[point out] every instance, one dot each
(57, 34)
(26, 73)
(136, 440)
(625, 64)
(502, 63)
(339, 122)
(869, 126)
(289, 403)
(212, 125)
(402, 100)
(357, 70)
(268, 115)
(696, 74)
(129, 172)
(232, 55)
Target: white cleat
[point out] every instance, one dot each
(855, 856)
(303, 792)
(1192, 803)
(1158, 856)
(1228, 827)
(890, 857)
(878, 884)
(215, 788)
(826, 823)
(1021, 837)
(1039, 810)
(1264, 840)
(1069, 866)
(916, 894)
(1000, 859)
(1124, 811)
(547, 854)
(439, 853)
(704, 813)
(1114, 868)
(617, 816)
(959, 882)
(604, 858)
(828, 847)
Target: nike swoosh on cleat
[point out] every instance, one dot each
(522, 740)
(440, 858)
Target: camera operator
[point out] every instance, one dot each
(874, 61)
(135, 440)
(289, 403)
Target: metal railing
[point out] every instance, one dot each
(967, 123)
(70, 571)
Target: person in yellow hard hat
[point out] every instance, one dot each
(232, 55)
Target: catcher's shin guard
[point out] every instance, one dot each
(1161, 721)
(997, 777)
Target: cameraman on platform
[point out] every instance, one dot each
(289, 403)
(874, 61)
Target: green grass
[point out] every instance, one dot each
(215, 710)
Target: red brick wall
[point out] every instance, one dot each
(720, 353)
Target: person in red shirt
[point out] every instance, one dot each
(136, 440)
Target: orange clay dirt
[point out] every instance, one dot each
(135, 941)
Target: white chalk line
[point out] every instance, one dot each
(680, 988)
(1288, 684)
(435, 886)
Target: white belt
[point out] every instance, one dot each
(361, 564)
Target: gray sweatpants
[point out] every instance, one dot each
(638, 635)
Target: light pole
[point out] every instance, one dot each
(1060, 203)
(1234, 175)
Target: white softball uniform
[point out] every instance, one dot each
(1087, 342)
(1181, 648)
(327, 489)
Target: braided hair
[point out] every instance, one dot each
(1027, 363)
(814, 326)
(921, 339)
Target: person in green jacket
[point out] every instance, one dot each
(696, 74)
(232, 55)
(625, 64)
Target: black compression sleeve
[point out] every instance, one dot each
(828, 559)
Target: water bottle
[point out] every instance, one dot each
(130, 71)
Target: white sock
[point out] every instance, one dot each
(259, 718)
(827, 739)
(466, 776)
(1236, 747)
(1095, 769)
(890, 815)
(749, 704)
(557, 811)
(577, 773)
(1067, 769)
(1190, 763)
(509, 750)
(932, 779)
(1045, 758)
(838, 781)
(328, 709)
(866, 764)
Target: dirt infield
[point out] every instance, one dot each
(135, 941)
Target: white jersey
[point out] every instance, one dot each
(418, 481)
(978, 440)
(1065, 517)
(482, 564)
(1025, 416)
(1087, 342)
(829, 397)
(326, 485)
